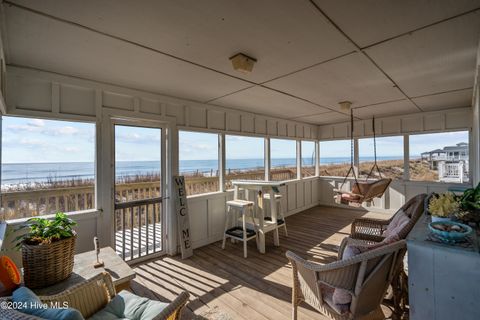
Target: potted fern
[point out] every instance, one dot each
(48, 248)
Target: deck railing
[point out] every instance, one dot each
(23, 204)
(42, 201)
(452, 172)
(138, 228)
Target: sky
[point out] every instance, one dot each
(137, 143)
(393, 146)
(34, 140)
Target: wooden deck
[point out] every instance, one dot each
(133, 245)
(223, 285)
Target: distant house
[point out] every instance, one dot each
(449, 153)
(451, 162)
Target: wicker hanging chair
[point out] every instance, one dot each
(365, 191)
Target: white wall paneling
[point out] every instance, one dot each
(31, 93)
(434, 121)
(396, 195)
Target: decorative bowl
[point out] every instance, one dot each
(450, 236)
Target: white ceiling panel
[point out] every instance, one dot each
(385, 109)
(324, 118)
(209, 32)
(432, 60)
(368, 22)
(447, 100)
(262, 100)
(352, 78)
(47, 44)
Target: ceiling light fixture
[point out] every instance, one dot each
(243, 63)
(345, 105)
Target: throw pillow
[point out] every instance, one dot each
(126, 305)
(342, 296)
(396, 225)
(31, 304)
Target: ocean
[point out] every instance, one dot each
(23, 173)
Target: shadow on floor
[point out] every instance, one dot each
(223, 285)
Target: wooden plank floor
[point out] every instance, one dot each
(223, 285)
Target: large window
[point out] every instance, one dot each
(308, 158)
(47, 166)
(244, 159)
(137, 163)
(334, 158)
(439, 157)
(283, 159)
(389, 157)
(198, 155)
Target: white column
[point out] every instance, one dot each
(475, 137)
(317, 158)
(406, 157)
(299, 159)
(356, 157)
(221, 161)
(267, 159)
(105, 181)
(169, 206)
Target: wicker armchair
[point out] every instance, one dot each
(371, 230)
(366, 276)
(91, 296)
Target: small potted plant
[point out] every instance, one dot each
(443, 207)
(48, 248)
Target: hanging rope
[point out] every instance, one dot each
(375, 165)
(351, 154)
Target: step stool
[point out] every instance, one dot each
(240, 233)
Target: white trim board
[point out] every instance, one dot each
(48, 95)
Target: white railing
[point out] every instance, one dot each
(452, 172)
(449, 158)
(138, 228)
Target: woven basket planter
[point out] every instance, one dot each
(47, 264)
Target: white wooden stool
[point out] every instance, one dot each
(278, 202)
(245, 208)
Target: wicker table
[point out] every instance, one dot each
(83, 269)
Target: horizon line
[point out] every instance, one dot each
(54, 162)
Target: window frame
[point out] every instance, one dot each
(223, 151)
(406, 154)
(220, 158)
(315, 159)
(77, 214)
(298, 152)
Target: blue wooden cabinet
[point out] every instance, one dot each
(444, 280)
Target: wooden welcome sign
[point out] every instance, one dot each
(183, 221)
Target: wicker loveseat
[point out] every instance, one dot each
(91, 296)
(365, 276)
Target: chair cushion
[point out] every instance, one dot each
(342, 296)
(350, 197)
(399, 221)
(32, 305)
(328, 293)
(126, 305)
